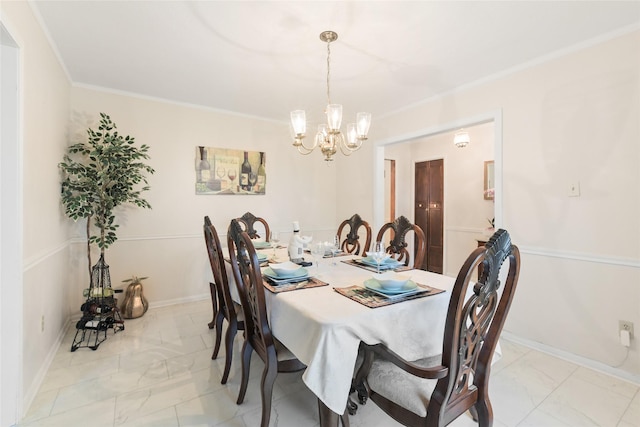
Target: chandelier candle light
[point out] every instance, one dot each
(329, 137)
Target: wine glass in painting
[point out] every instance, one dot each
(220, 172)
(232, 175)
(253, 178)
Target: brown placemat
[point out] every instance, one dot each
(373, 300)
(311, 282)
(359, 263)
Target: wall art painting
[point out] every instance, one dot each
(230, 171)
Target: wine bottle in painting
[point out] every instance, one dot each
(204, 168)
(244, 173)
(262, 175)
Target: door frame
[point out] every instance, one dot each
(11, 262)
(494, 116)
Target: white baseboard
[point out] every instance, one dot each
(176, 301)
(32, 391)
(574, 358)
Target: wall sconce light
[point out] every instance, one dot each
(461, 138)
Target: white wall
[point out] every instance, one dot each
(466, 213)
(571, 118)
(44, 94)
(166, 243)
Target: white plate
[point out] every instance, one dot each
(299, 273)
(409, 287)
(261, 245)
(386, 264)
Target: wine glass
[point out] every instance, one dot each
(378, 254)
(335, 247)
(317, 250)
(232, 175)
(274, 239)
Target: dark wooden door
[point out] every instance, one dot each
(428, 210)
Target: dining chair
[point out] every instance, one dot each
(223, 305)
(248, 220)
(351, 243)
(257, 332)
(435, 391)
(398, 230)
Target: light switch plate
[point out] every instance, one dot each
(574, 189)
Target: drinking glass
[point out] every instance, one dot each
(378, 254)
(274, 238)
(317, 250)
(335, 248)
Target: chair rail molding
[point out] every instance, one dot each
(576, 256)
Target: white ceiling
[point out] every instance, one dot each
(265, 58)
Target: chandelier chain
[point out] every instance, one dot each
(328, 71)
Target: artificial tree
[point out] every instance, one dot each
(100, 174)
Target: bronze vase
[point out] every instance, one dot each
(134, 304)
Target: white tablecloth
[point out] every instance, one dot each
(324, 329)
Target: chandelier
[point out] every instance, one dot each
(329, 137)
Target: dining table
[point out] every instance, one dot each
(323, 327)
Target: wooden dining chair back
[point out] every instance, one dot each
(223, 305)
(398, 230)
(351, 243)
(249, 220)
(258, 336)
(435, 391)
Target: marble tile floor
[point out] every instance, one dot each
(158, 372)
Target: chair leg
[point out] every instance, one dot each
(345, 417)
(268, 378)
(358, 383)
(216, 348)
(232, 329)
(246, 364)
(482, 412)
(214, 304)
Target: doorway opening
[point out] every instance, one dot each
(458, 240)
(11, 307)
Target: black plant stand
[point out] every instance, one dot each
(100, 310)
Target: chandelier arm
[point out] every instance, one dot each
(303, 148)
(306, 150)
(346, 151)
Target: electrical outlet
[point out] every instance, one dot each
(625, 325)
(42, 323)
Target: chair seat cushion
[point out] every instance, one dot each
(239, 311)
(408, 391)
